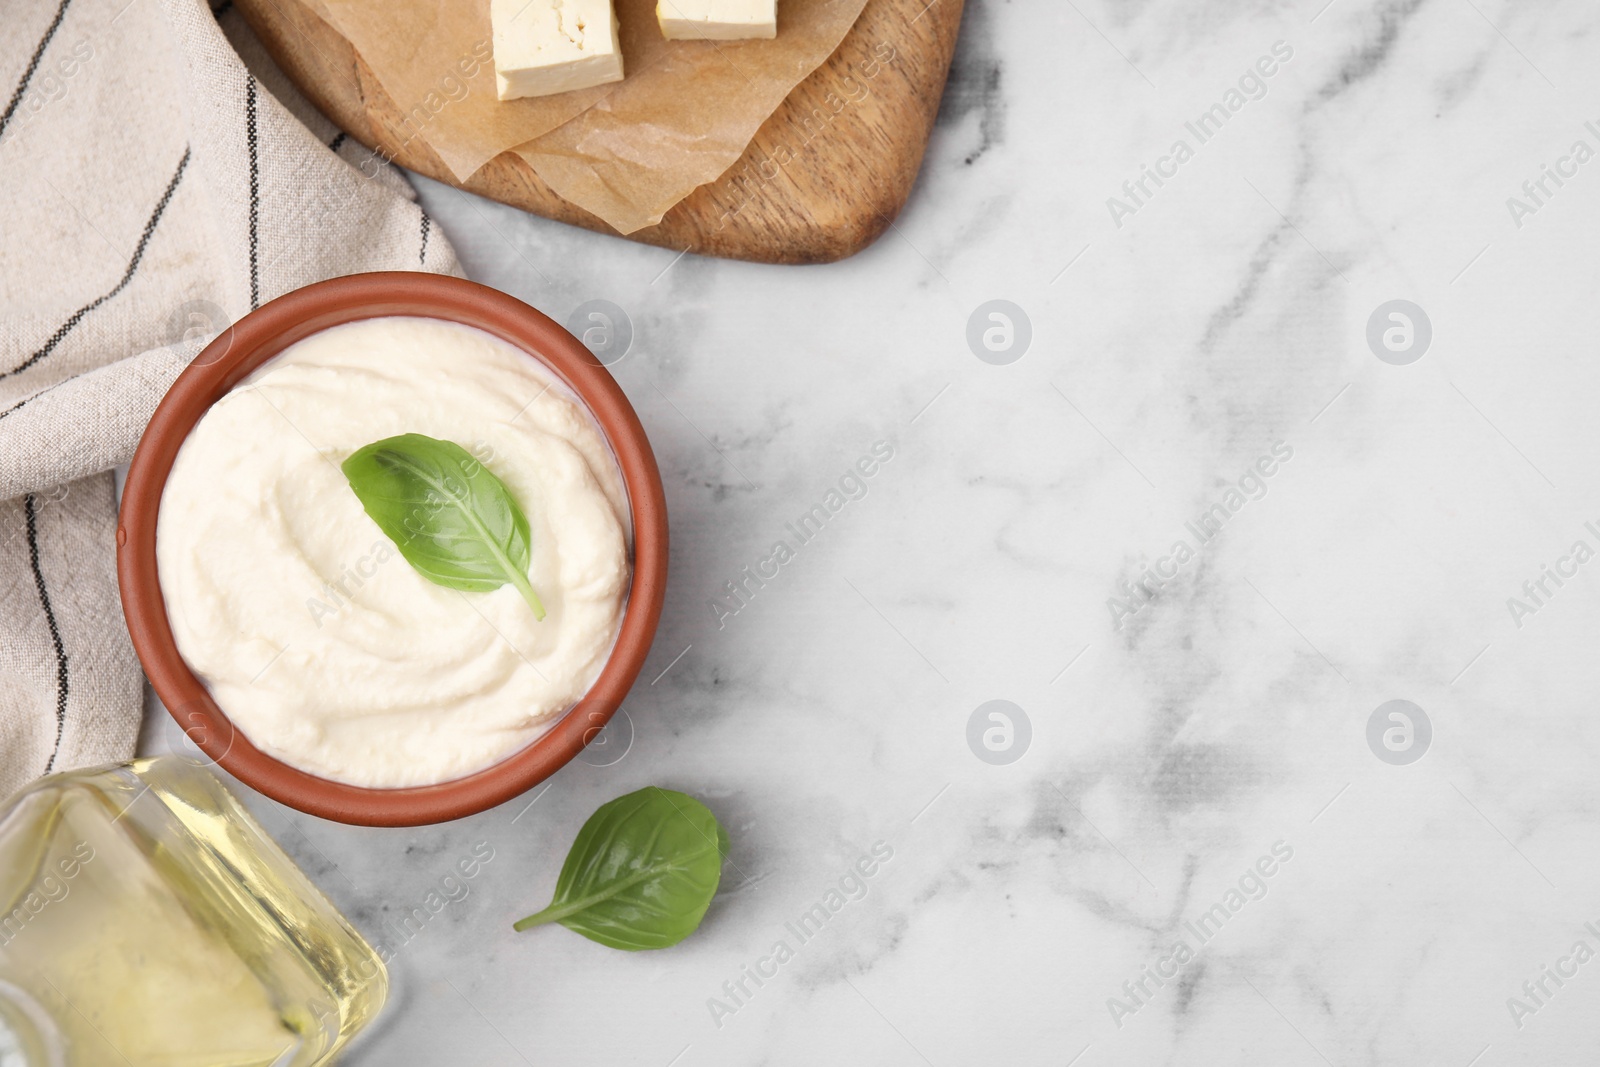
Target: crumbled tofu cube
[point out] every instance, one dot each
(553, 46)
(717, 20)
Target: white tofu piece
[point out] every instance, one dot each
(717, 20)
(553, 46)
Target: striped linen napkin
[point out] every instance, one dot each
(158, 179)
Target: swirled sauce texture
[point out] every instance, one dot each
(315, 636)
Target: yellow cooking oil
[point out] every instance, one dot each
(147, 919)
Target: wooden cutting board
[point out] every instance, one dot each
(835, 197)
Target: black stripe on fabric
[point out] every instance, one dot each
(21, 402)
(427, 224)
(254, 144)
(31, 506)
(28, 400)
(338, 142)
(31, 397)
(33, 65)
(127, 275)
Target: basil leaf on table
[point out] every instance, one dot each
(450, 517)
(641, 873)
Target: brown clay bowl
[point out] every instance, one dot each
(230, 358)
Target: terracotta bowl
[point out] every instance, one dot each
(230, 358)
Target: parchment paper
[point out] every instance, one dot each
(627, 151)
(688, 117)
(435, 59)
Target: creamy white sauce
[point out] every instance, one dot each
(317, 639)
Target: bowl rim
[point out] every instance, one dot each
(235, 354)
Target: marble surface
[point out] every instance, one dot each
(1182, 738)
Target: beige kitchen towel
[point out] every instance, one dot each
(154, 186)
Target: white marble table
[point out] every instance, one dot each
(1180, 735)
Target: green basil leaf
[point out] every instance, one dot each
(641, 873)
(450, 517)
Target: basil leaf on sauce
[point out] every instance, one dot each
(450, 517)
(641, 873)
